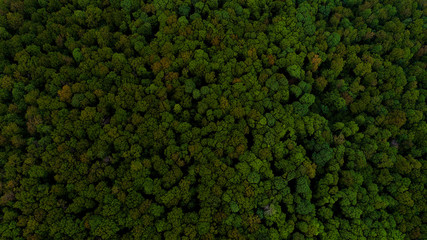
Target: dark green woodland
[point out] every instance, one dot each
(213, 119)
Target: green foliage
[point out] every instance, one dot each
(295, 71)
(102, 227)
(253, 177)
(37, 172)
(234, 207)
(304, 207)
(195, 119)
(77, 54)
(333, 39)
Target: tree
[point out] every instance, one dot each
(197, 119)
(333, 39)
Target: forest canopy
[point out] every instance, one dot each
(213, 119)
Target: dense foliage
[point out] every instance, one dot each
(213, 119)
